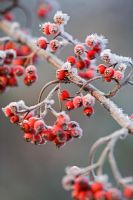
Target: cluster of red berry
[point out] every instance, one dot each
(37, 132)
(109, 73)
(97, 190)
(86, 101)
(11, 66)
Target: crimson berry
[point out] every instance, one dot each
(90, 73)
(48, 134)
(32, 121)
(8, 112)
(25, 126)
(79, 49)
(42, 42)
(71, 59)
(118, 75)
(18, 61)
(69, 105)
(83, 75)
(96, 186)
(80, 64)
(87, 63)
(36, 139)
(53, 29)
(25, 50)
(58, 143)
(14, 119)
(97, 48)
(128, 192)
(77, 101)
(45, 28)
(39, 125)
(109, 72)
(64, 95)
(28, 137)
(54, 45)
(18, 70)
(101, 68)
(12, 81)
(91, 54)
(61, 74)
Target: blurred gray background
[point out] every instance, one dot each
(29, 172)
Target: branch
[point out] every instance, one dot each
(18, 35)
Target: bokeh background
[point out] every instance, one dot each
(29, 172)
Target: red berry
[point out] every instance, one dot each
(79, 49)
(77, 101)
(64, 95)
(8, 112)
(39, 125)
(90, 73)
(12, 81)
(96, 186)
(69, 105)
(48, 134)
(71, 59)
(54, 45)
(61, 74)
(18, 70)
(14, 119)
(36, 139)
(101, 68)
(128, 192)
(42, 11)
(91, 54)
(42, 42)
(25, 50)
(109, 72)
(83, 75)
(28, 137)
(45, 28)
(80, 64)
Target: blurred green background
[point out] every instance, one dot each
(29, 172)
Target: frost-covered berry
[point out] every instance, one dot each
(88, 111)
(96, 187)
(109, 72)
(61, 18)
(39, 125)
(30, 69)
(68, 182)
(45, 28)
(53, 29)
(64, 95)
(77, 101)
(88, 100)
(76, 132)
(42, 42)
(79, 49)
(118, 75)
(54, 45)
(101, 69)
